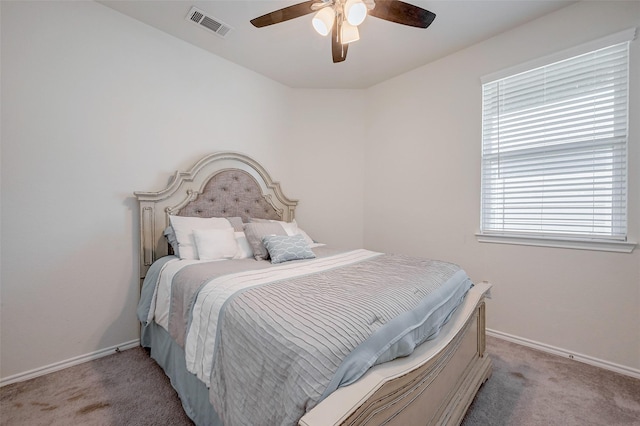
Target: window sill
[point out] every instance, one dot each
(577, 244)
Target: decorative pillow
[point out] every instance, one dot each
(183, 227)
(244, 248)
(215, 244)
(285, 248)
(256, 231)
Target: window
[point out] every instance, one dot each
(554, 150)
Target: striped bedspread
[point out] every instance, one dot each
(271, 341)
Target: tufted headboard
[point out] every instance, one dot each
(223, 184)
(231, 193)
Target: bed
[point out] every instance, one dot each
(428, 375)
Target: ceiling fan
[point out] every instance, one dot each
(342, 17)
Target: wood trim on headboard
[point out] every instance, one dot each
(155, 207)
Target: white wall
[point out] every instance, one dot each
(423, 185)
(327, 142)
(96, 105)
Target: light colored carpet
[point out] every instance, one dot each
(126, 388)
(528, 388)
(533, 388)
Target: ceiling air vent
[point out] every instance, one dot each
(209, 23)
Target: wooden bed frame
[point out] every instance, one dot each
(434, 385)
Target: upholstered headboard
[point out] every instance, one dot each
(223, 184)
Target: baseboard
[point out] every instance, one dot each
(20, 377)
(627, 371)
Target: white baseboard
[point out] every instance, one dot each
(20, 377)
(627, 371)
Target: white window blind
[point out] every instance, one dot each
(554, 149)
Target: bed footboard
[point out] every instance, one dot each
(433, 386)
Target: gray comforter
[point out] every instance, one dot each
(281, 347)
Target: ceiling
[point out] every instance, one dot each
(293, 54)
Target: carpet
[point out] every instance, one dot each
(126, 388)
(527, 388)
(530, 388)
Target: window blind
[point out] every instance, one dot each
(554, 149)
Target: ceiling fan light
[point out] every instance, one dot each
(355, 11)
(323, 20)
(349, 33)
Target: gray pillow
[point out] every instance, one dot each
(255, 232)
(236, 222)
(170, 235)
(285, 248)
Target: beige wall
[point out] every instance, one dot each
(423, 182)
(327, 154)
(96, 105)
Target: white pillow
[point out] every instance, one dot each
(183, 227)
(215, 244)
(291, 228)
(244, 248)
(307, 238)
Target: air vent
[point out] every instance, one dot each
(209, 23)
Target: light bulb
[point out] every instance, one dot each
(349, 33)
(355, 11)
(323, 20)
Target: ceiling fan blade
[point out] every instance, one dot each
(402, 13)
(284, 14)
(338, 50)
